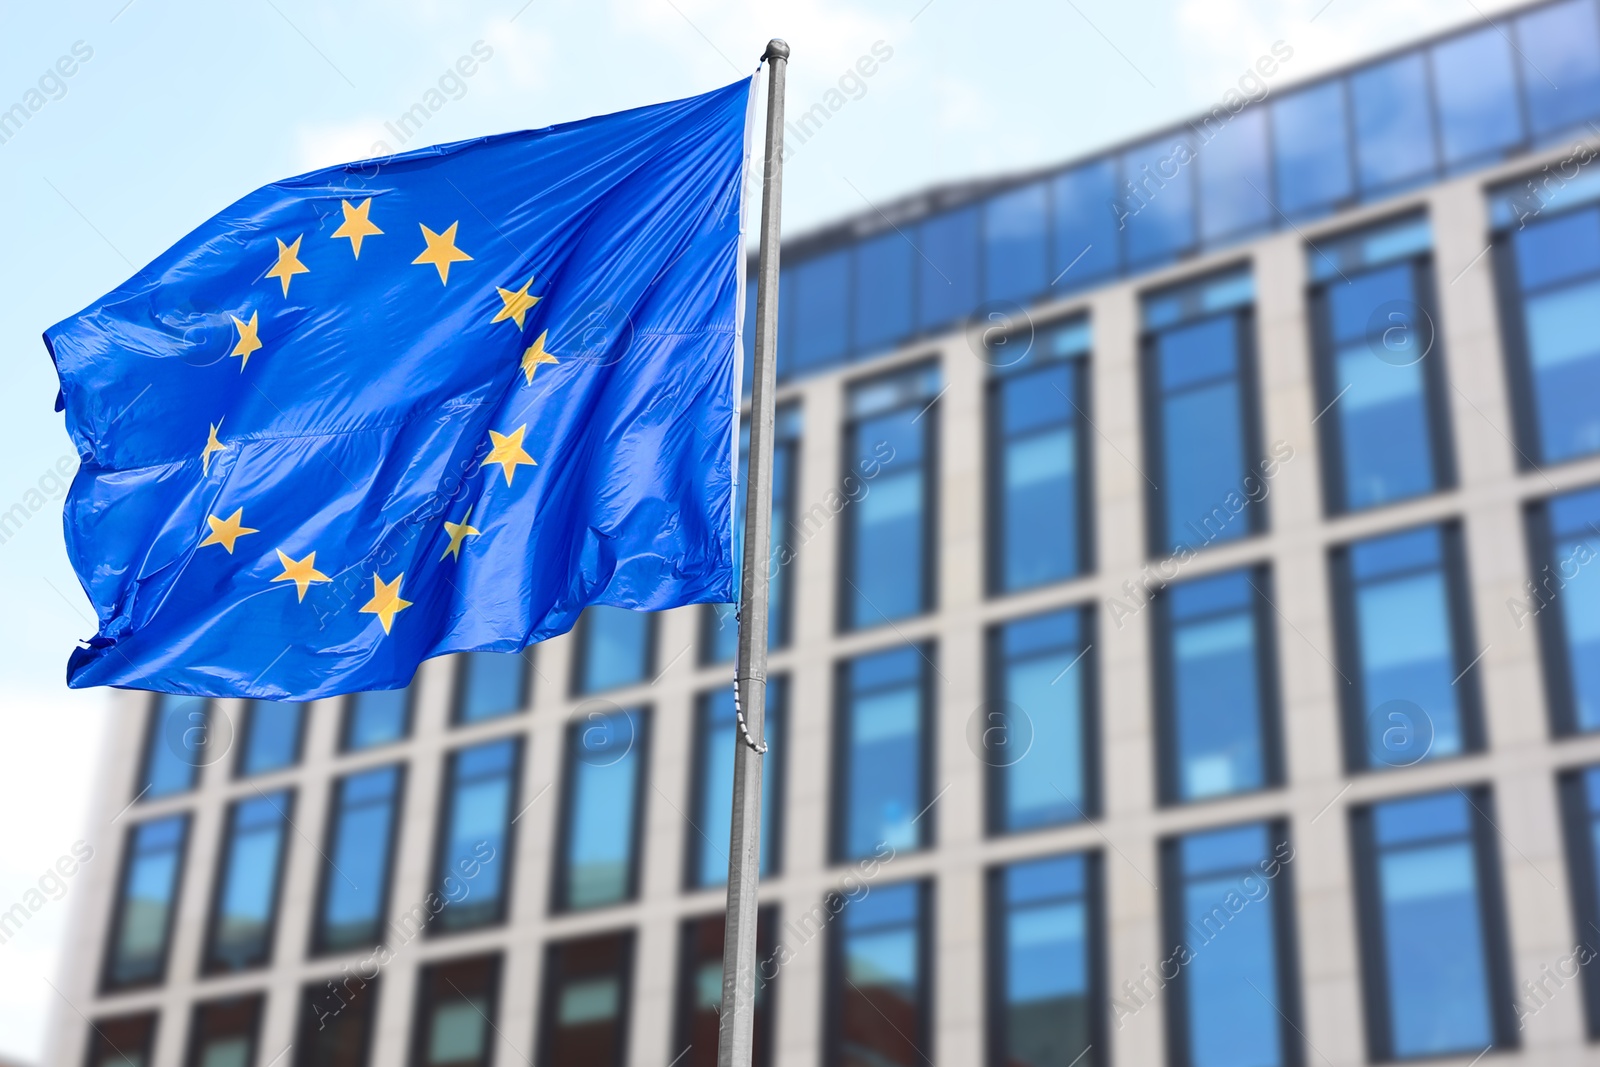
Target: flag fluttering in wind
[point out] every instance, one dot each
(430, 403)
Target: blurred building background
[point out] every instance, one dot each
(1187, 651)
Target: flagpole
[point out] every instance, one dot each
(737, 1022)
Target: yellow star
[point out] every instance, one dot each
(225, 532)
(441, 251)
(248, 341)
(212, 445)
(507, 451)
(301, 572)
(516, 304)
(459, 532)
(356, 225)
(386, 602)
(288, 264)
(536, 355)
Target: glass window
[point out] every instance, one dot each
(586, 994)
(174, 746)
(457, 1003)
(489, 685)
(223, 1032)
(1235, 176)
(473, 862)
(1559, 49)
(1394, 132)
(819, 311)
(884, 267)
(244, 908)
(1199, 386)
(1156, 209)
(336, 1017)
(1234, 1003)
(1580, 808)
(1565, 595)
(1406, 660)
(377, 718)
(878, 973)
(359, 856)
(947, 269)
(1311, 149)
(1016, 231)
(602, 809)
(1039, 521)
(1216, 699)
(141, 924)
(881, 764)
(1044, 996)
(272, 734)
(700, 989)
(1433, 948)
(720, 626)
(1476, 90)
(615, 648)
(125, 1041)
(1037, 737)
(1555, 264)
(717, 736)
(888, 529)
(1380, 393)
(1088, 244)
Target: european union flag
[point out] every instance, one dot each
(430, 403)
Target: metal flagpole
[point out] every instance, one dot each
(737, 1022)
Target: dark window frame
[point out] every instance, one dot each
(441, 833)
(781, 620)
(307, 1016)
(151, 1020)
(553, 976)
(209, 963)
(1291, 1008)
(683, 1008)
(1435, 394)
(347, 713)
(838, 787)
(318, 946)
(561, 868)
(1518, 358)
(1555, 657)
(996, 958)
(1491, 917)
(458, 690)
(776, 736)
(246, 725)
(580, 654)
(424, 1003)
(995, 438)
(930, 468)
(1347, 641)
(1268, 685)
(995, 662)
(114, 928)
(152, 737)
(1582, 881)
(257, 1007)
(833, 975)
(1151, 394)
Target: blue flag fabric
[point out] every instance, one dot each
(431, 403)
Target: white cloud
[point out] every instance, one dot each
(328, 144)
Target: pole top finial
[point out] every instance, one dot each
(777, 48)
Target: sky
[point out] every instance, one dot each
(175, 108)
